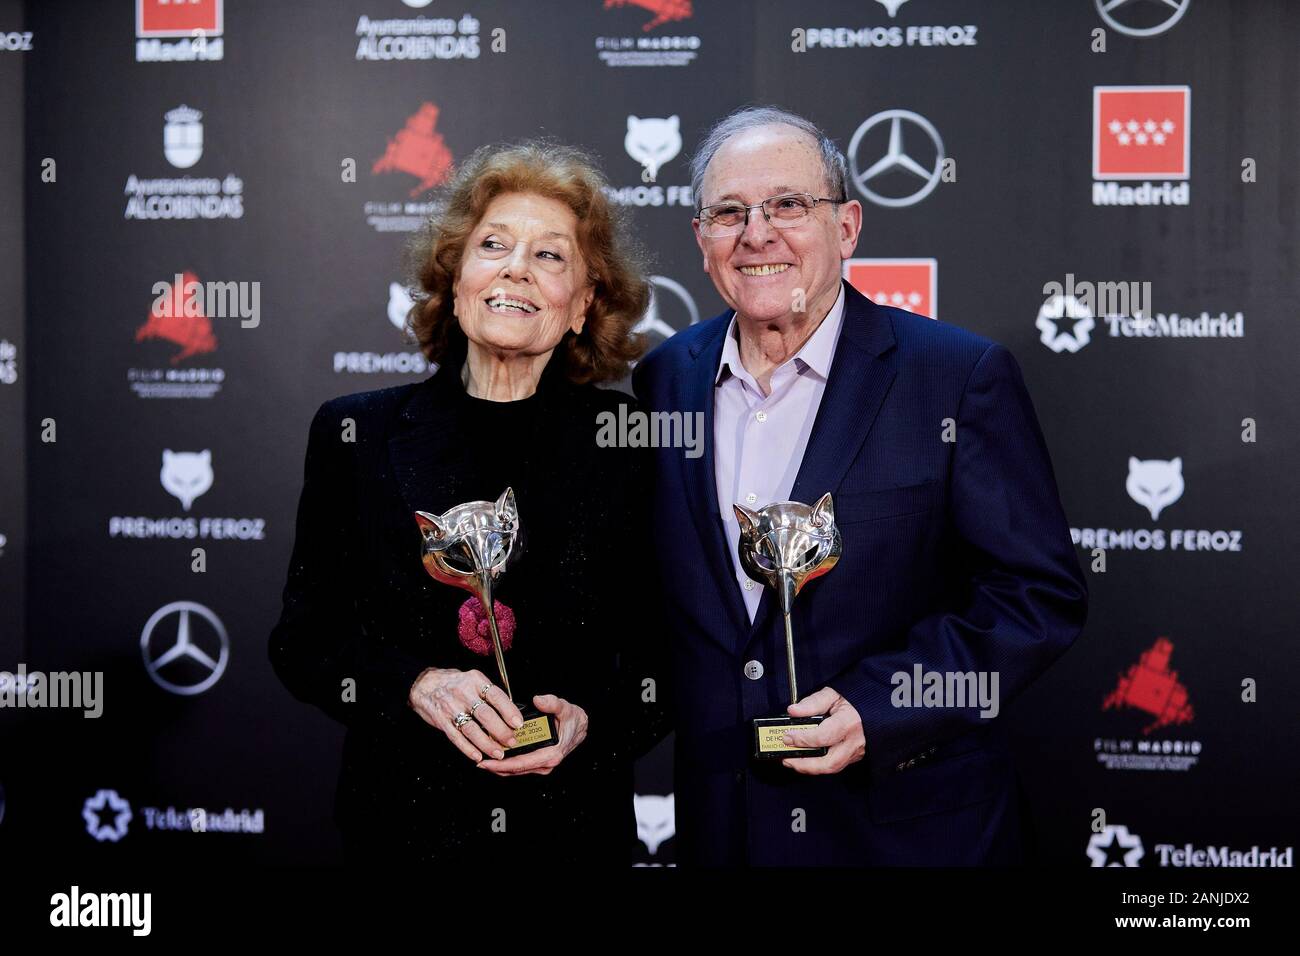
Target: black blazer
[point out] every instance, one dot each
(359, 606)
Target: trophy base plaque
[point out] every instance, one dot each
(768, 732)
(537, 732)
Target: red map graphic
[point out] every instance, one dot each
(1152, 687)
(664, 10)
(193, 333)
(418, 149)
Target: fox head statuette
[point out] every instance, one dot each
(470, 545)
(787, 544)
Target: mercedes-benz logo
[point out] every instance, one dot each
(1106, 7)
(653, 322)
(193, 657)
(896, 157)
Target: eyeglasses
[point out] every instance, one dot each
(782, 212)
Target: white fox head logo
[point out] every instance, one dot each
(656, 819)
(186, 474)
(653, 142)
(399, 305)
(1155, 484)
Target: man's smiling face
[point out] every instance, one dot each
(761, 271)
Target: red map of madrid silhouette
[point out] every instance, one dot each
(418, 149)
(169, 320)
(1152, 687)
(664, 10)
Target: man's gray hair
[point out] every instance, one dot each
(748, 117)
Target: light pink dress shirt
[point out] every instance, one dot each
(759, 440)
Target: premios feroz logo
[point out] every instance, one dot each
(1155, 485)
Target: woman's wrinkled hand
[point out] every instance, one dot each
(439, 694)
(572, 728)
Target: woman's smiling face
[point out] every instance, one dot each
(522, 282)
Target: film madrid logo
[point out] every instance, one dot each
(650, 45)
(653, 143)
(177, 323)
(1142, 135)
(186, 476)
(411, 362)
(882, 36)
(417, 38)
(1150, 691)
(1116, 845)
(1155, 485)
(184, 197)
(179, 31)
(416, 151)
(911, 284)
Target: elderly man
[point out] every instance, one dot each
(957, 569)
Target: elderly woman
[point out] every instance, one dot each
(530, 292)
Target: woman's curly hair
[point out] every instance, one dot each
(615, 263)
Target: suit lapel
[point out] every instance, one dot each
(859, 379)
(694, 393)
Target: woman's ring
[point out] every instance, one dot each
(462, 719)
(483, 691)
(477, 705)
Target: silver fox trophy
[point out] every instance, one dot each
(784, 546)
(470, 546)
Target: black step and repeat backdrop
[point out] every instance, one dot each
(1108, 188)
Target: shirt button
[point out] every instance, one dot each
(753, 670)
(761, 416)
(751, 498)
(749, 585)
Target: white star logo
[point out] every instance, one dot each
(94, 806)
(1131, 843)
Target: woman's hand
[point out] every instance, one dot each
(572, 721)
(439, 694)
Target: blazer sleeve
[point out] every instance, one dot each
(320, 641)
(1027, 597)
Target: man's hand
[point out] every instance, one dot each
(841, 731)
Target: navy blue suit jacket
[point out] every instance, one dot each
(957, 556)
